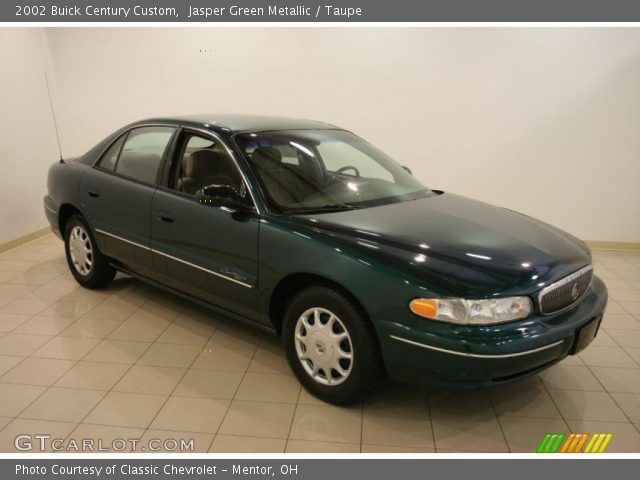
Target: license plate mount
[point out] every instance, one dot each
(585, 335)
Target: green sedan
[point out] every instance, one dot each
(307, 231)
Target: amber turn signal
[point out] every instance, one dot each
(425, 307)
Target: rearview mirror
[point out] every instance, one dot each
(222, 196)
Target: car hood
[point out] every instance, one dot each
(456, 245)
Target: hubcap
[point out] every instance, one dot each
(324, 346)
(81, 250)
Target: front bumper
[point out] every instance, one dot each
(445, 355)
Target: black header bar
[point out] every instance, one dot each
(349, 11)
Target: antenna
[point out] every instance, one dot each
(53, 115)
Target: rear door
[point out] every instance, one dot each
(118, 192)
(208, 252)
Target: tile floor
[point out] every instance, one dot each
(133, 362)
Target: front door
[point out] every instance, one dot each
(208, 252)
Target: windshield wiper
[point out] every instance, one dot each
(331, 207)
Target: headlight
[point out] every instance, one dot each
(472, 312)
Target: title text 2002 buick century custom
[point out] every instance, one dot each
(308, 231)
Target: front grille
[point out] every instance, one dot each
(565, 292)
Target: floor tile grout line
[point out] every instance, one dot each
(620, 346)
(545, 386)
(299, 395)
(362, 403)
(510, 415)
(32, 316)
(180, 379)
(433, 431)
(47, 388)
(599, 382)
(24, 359)
(617, 344)
(495, 412)
(244, 374)
(622, 307)
(295, 410)
(121, 377)
(48, 235)
(78, 288)
(609, 394)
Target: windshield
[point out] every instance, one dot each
(325, 170)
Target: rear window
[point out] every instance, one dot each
(110, 157)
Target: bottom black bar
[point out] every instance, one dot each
(321, 469)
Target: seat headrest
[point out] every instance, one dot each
(139, 165)
(203, 163)
(266, 157)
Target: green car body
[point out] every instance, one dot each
(248, 263)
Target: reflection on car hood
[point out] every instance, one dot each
(456, 244)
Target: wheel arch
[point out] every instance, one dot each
(65, 212)
(292, 284)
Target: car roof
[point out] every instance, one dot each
(236, 123)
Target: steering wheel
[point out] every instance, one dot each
(348, 167)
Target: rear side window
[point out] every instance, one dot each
(142, 153)
(110, 157)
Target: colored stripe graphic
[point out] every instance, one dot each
(606, 441)
(581, 442)
(574, 443)
(550, 443)
(543, 444)
(589, 446)
(598, 443)
(570, 443)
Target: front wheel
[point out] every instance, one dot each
(87, 264)
(331, 346)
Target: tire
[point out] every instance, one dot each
(88, 266)
(312, 352)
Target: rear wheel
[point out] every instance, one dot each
(88, 266)
(331, 346)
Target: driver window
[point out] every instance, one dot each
(203, 161)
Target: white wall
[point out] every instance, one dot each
(27, 137)
(541, 120)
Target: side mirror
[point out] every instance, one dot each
(222, 196)
(407, 169)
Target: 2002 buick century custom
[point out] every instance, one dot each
(305, 230)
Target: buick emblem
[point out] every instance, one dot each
(574, 292)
